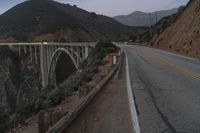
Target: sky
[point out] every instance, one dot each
(110, 7)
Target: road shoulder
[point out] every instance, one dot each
(109, 112)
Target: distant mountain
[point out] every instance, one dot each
(143, 19)
(47, 20)
(161, 25)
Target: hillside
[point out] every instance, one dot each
(46, 20)
(183, 35)
(160, 27)
(143, 19)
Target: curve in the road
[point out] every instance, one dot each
(171, 65)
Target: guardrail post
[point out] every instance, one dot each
(43, 65)
(86, 52)
(44, 121)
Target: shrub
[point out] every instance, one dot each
(24, 109)
(55, 97)
(133, 38)
(93, 15)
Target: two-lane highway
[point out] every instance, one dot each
(166, 89)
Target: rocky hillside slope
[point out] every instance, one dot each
(19, 87)
(47, 20)
(142, 19)
(160, 27)
(183, 36)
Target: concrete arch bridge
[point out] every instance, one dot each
(54, 56)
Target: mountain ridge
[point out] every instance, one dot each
(139, 18)
(48, 20)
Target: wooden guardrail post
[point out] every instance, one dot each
(44, 120)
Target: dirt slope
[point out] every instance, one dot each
(183, 36)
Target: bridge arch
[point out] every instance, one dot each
(71, 57)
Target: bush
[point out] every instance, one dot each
(103, 48)
(25, 109)
(55, 97)
(133, 38)
(93, 15)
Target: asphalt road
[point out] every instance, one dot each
(166, 89)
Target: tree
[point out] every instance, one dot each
(133, 38)
(93, 15)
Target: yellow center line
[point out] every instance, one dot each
(171, 65)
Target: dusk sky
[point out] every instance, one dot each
(110, 7)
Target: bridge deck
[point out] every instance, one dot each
(90, 44)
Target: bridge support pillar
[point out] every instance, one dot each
(43, 65)
(31, 53)
(86, 52)
(19, 48)
(25, 49)
(36, 58)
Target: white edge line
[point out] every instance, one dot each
(175, 54)
(134, 117)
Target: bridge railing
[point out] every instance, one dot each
(90, 44)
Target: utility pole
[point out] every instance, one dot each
(156, 15)
(150, 25)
